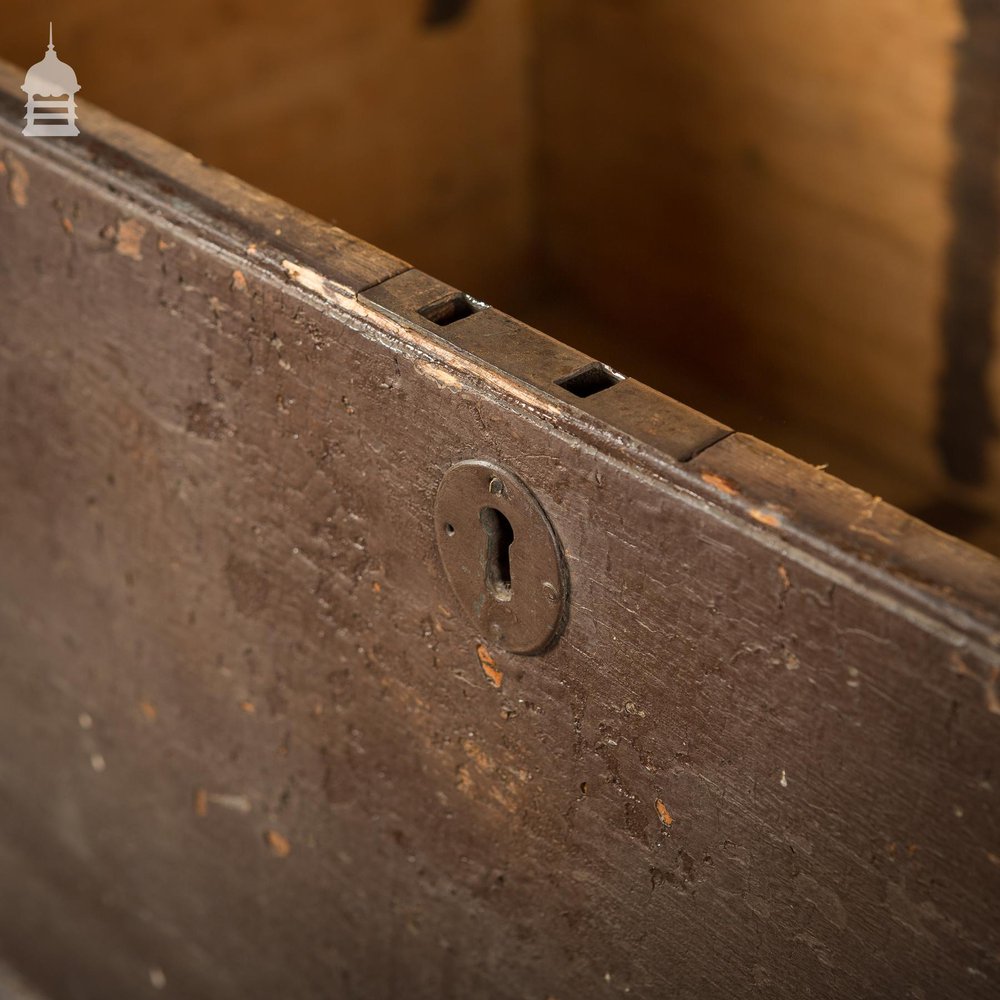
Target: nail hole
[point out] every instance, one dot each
(449, 529)
(451, 310)
(499, 538)
(591, 380)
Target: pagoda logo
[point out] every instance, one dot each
(50, 86)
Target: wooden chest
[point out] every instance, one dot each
(359, 640)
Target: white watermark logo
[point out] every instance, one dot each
(50, 86)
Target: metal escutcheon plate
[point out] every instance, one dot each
(502, 557)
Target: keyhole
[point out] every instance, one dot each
(499, 538)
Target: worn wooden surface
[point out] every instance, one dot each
(790, 207)
(249, 746)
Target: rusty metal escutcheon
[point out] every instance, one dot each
(501, 556)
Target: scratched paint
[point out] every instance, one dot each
(493, 673)
(661, 810)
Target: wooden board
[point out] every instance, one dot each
(249, 745)
(784, 214)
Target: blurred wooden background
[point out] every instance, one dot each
(784, 212)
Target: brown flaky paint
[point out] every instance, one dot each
(761, 759)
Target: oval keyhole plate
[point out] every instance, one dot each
(502, 557)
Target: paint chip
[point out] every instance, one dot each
(128, 241)
(661, 810)
(148, 709)
(278, 843)
(239, 283)
(67, 225)
(249, 707)
(771, 518)
(958, 665)
(493, 673)
(717, 482)
(201, 802)
(98, 763)
(305, 277)
(17, 181)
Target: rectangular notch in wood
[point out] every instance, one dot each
(451, 310)
(591, 380)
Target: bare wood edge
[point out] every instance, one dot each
(175, 184)
(939, 583)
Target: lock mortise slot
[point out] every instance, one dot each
(590, 380)
(450, 310)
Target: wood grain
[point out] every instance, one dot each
(789, 207)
